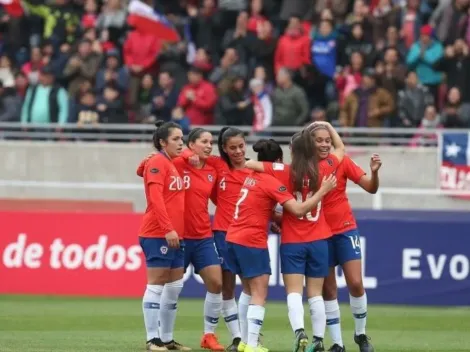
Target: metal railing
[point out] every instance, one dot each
(143, 133)
(377, 199)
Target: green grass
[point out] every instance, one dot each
(50, 324)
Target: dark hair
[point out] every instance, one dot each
(163, 132)
(268, 150)
(304, 163)
(195, 134)
(225, 134)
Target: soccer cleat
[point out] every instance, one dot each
(234, 345)
(156, 344)
(301, 341)
(316, 345)
(251, 349)
(337, 348)
(210, 342)
(176, 346)
(363, 342)
(241, 347)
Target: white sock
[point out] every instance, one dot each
(359, 310)
(168, 307)
(333, 321)
(212, 309)
(243, 304)
(318, 316)
(151, 309)
(230, 314)
(296, 311)
(255, 322)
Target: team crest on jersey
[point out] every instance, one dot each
(330, 162)
(210, 178)
(164, 249)
(154, 170)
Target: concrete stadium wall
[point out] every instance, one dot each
(116, 163)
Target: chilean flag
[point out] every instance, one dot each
(455, 166)
(146, 20)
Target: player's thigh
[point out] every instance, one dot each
(212, 277)
(158, 259)
(314, 286)
(329, 286)
(222, 248)
(294, 283)
(252, 262)
(293, 258)
(258, 288)
(189, 249)
(353, 274)
(204, 254)
(317, 259)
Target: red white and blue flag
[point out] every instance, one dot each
(455, 161)
(146, 20)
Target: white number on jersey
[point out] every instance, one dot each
(222, 184)
(176, 184)
(309, 215)
(186, 181)
(355, 242)
(244, 193)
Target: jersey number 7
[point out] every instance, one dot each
(244, 194)
(308, 216)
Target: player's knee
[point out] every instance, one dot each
(329, 292)
(356, 287)
(214, 285)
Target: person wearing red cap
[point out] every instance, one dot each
(422, 57)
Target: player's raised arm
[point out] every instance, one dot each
(300, 209)
(371, 183)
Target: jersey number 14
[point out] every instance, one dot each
(308, 216)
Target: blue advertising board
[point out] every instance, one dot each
(409, 257)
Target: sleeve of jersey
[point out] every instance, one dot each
(277, 191)
(277, 170)
(141, 168)
(353, 171)
(156, 181)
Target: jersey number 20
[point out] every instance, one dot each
(176, 184)
(309, 215)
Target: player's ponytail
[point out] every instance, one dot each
(268, 150)
(304, 165)
(162, 132)
(224, 135)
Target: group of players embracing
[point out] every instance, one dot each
(306, 199)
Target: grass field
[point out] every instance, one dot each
(51, 324)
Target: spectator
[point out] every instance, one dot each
(202, 61)
(412, 101)
(91, 14)
(449, 21)
(289, 101)
(32, 68)
(357, 42)
(452, 113)
(85, 111)
(165, 98)
(234, 106)
(110, 105)
(262, 106)
(384, 15)
(431, 120)
(423, 56)
(324, 49)
(82, 66)
(257, 17)
(21, 85)
(112, 71)
(178, 116)
(238, 38)
(393, 41)
(293, 48)
(367, 106)
(359, 15)
(411, 20)
(349, 79)
(145, 97)
(392, 78)
(45, 102)
(230, 65)
(6, 72)
(263, 46)
(113, 19)
(198, 99)
(10, 105)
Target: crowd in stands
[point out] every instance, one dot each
(390, 63)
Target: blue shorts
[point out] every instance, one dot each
(309, 259)
(221, 245)
(200, 253)
(159, 255)
(344, 247)
(248, 262)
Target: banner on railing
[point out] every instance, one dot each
(408, 258)
(455, 162)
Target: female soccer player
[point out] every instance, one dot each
(247, 236)
(160, 237)
(304, 246)
(199, 182)
(345, 250)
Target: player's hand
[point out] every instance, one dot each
(375, 162)
(275, 228)
(172, 239)
(193, 160)
(328, 183)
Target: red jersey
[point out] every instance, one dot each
(198, 185)
(336, 205)
(165, 198)
(313, 226)
(229, 183)
(256, 200)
